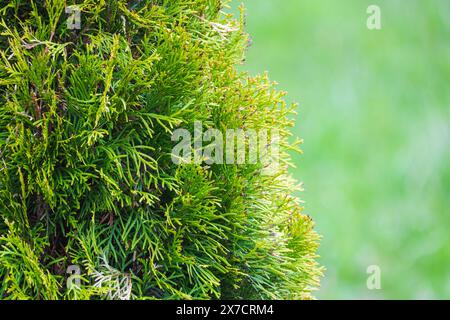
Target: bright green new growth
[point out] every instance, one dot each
(86, 176)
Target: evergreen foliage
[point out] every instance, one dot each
(86, 176)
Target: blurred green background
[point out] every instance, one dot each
(374, 113)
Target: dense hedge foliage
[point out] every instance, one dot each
(86, 176)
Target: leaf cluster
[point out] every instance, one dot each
(86, 176)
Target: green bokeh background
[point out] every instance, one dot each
(374, 113)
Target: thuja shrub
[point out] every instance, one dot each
(92, 205)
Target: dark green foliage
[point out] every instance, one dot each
(86, 176)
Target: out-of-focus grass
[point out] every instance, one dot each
(374, 113)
